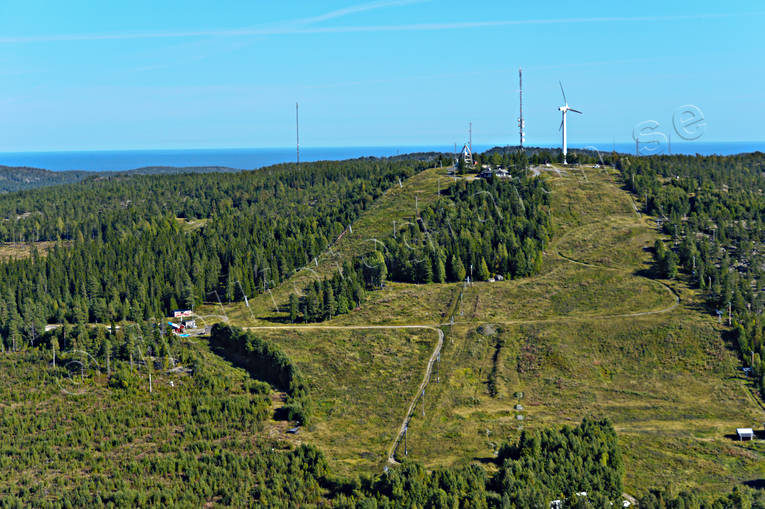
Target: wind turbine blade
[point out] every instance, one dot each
(561, 125)
(565, 101)
(575, 111)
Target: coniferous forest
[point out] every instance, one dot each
(134, 248)
(128, 249)
(712, 210)
(496, 227)
(478, 229)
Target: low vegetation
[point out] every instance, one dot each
(713, 209)
(591, 367)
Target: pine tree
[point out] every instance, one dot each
(439, 272)
(483, 270)
(457, 270)
(293, 307)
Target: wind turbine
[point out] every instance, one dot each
(565, 109)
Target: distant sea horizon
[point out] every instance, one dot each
(252, 158)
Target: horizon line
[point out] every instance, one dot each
(541, 144)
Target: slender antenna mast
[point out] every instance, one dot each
(470, 137)
(297, 134)
(521, 123)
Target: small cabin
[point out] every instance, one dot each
(745, 433)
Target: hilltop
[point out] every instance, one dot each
(566, 329)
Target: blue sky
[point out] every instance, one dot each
(192, 74)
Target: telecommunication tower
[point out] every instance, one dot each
(521, 122)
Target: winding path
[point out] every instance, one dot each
(425, 378)
(440, 342)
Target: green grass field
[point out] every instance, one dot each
(361, 383)
(588, 336)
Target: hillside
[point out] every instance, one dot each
(591, 335)
(19, 178)
(589, 370)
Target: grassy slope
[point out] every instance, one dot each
(588, 336)
(398, 203)
(361, 383)
(666, 379)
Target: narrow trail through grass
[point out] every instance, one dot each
(588, 342)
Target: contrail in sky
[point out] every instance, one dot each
(414, 27)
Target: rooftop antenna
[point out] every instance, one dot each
(565, 109)
(521, 122)
(297, 134)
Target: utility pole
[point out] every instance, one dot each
(423, 402)
(406, 432)
(730, 315)
(297, 134)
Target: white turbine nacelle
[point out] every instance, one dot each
(565, 109)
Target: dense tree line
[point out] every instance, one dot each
(126, 256)
(265, 361)
(713, 209)
(482, 227)
(495, 226)
(559, 464)
(738, 499)
(340, 294)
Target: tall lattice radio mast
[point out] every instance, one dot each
(521, 122)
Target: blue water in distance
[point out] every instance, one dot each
(250, 158)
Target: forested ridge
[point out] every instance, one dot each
(496, 226)
(20, 178)
(479, 229)
(713, 209)
(129, 258)
(123, 256)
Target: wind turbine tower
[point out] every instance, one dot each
(565, 109)
(521, 122)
